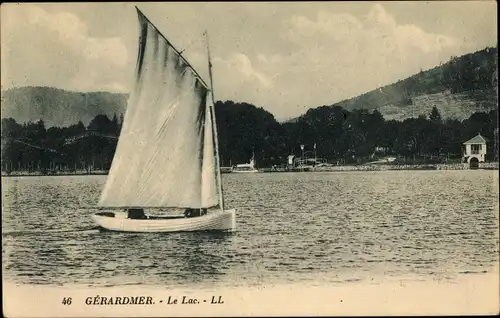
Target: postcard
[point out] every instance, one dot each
(249, 159)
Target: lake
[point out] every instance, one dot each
(311, 228)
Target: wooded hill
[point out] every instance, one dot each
(57, 107)
(458, 88)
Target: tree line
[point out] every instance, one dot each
(340, 136)
(32, 147)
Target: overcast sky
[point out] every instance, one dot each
(284, 57)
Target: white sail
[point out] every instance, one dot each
(209, 193)
(159, 156)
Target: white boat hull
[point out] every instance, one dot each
(245, 171)
(214, 221)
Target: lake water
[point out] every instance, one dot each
(312, 228)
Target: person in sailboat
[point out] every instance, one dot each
(189, 212)
(136, 214)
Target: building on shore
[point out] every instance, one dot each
(475, 150)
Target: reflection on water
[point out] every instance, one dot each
(329, 227)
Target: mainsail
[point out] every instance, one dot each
(165, 153)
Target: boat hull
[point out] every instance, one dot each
(245, 171)
(215, 221)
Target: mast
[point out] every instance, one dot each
(214, 123)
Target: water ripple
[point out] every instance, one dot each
(328, 227)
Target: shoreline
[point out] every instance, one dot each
(391, 167)
(59, 174)
(377, 167)
(386, 167)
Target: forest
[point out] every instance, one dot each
(340, 136)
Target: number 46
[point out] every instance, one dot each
(66, 301)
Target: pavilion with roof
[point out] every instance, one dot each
(475, 150)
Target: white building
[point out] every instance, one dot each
(475, 150)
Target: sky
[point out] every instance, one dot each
(285, 57)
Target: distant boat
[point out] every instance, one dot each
(246, 167)
(167, 157)
(304, 168)
(382, 161)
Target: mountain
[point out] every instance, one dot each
(458, 88)
(57, 107)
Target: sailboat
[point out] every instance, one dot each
(167, 156)
(246, 167)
